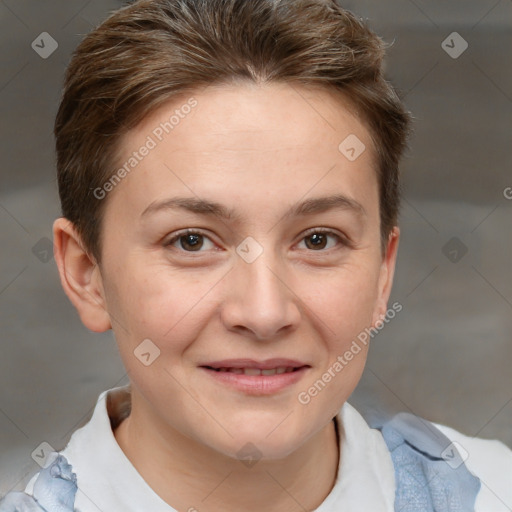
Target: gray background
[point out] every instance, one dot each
(446, 356)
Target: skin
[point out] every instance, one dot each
(258, 149)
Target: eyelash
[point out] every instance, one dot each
(343, 241)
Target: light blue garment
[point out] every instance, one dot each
(429, 472)
(54, 490)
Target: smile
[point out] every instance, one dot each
(257, 381)
(256, 371)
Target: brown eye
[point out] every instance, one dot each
(189, 241)
(318, 240)
(195, 242)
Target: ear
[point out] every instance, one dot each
(80, 276)
(387, 271)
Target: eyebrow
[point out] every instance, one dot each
(212, 208)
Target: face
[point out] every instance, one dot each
(277, 271)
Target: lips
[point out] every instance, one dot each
(256, 378)
(257, 371)
(275, 366)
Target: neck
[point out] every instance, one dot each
(191, 476)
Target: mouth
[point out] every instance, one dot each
(256, 377)
(274, 366)
(256, 371)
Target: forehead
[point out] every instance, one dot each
(254, 141)
(253, 114)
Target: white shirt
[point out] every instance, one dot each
(107, 481)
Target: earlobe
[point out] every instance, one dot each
(387, 272)
(80, 277)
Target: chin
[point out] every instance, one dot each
(256, 447)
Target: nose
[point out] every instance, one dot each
(259, 300)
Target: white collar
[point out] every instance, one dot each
(366, 475)
(365, 479)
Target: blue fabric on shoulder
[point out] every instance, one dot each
(54, 490)
(429, 470)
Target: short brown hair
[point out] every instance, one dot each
(153, 50)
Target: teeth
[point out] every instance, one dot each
(251, 371)
(257, 371)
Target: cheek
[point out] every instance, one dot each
(343, 305)
(152, 301)
(343, 301)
